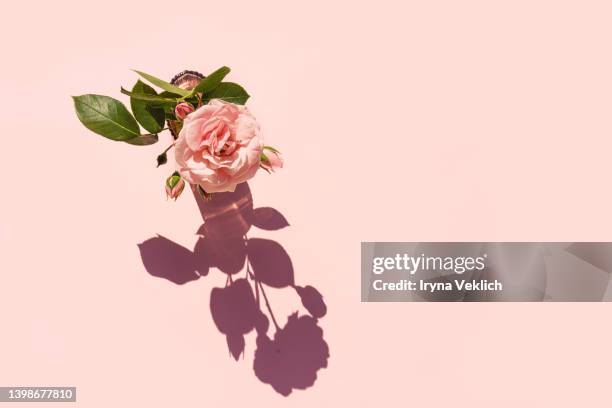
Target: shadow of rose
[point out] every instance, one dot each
(292, 356)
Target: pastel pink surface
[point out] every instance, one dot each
(407, 121)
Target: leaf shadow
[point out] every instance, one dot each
(290, 358)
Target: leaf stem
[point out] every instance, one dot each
(157, 134)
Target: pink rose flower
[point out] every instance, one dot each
(182, 110)
(219, 146)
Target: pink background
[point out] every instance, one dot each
(407, 121)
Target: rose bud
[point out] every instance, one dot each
(183, 109)
(271, 159)
(174, 186)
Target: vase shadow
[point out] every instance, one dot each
(291, 357)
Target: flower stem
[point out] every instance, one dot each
(268, 304)
(249, 276)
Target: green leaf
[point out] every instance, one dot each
(230, 92)
(169, 95)
(149, 116)
(143, 140)
(153, 99)
(210, 82)
(106, 116)
(166, 86)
